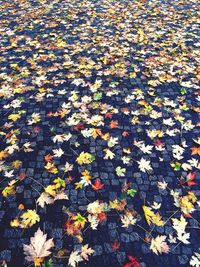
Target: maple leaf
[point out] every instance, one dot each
(102, 216)
(60, 195)
(114, 124)
(48, 158)
(176, 166)
(158, 245)
(180, 226)
(3, 154)
(146, 149)
(115, 245)
(128, 219)
(195, 151)
(162, 185)
(51, 189)
(14, 117)
(44, 199)
(96, 132)
(105, 136)
(59, 182)
(27, 147)
(85, 158)
(94, 221)
(95, 207)
(60, 138)
(120, 171)
(79, 127)
(189, 179)
(86, 252)
(186, 203)
(29, 218)
(58, 152)
(108, 115)
(118, 204)
(151, 217)
(97, 185)
(133, 262)
(195, 260)
(75, 258)
(108, 154)
(10, 189)
(144, 165)
(51, 168)
(79, 220)
(125, 134)
(68, 167)
(39, 247)
(16, 164)
(131, 192)
(112, 141)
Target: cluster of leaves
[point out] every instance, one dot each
(106, 70)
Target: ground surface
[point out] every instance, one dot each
(99, 133)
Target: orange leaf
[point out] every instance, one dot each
(114, 124)
(195, 150)
(48, 158)
(125, 110)
(97, 185)
(3, 154)
(96, 132)
(142, 102)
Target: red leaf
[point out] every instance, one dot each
(190, 179)
(115, 245)
(159, 143)
(133, 262)
(50, 114)
(35, 130)
(70, 178)
(97, 185)
(129, 264)
(22, 175)
(191, 183)
(79, 127)
(108, 115)
(191, 176)
(125, 133)
(102, 216)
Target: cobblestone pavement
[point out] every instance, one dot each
(100, 144)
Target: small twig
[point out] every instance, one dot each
(177, 245)
(171, 216)
(37, 182)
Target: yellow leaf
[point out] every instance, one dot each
(51, 190)
(10, 189)
(151, 217)
(85, 158)
(14, 117)
(79, 220)
(29, 218)
(15, 223)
